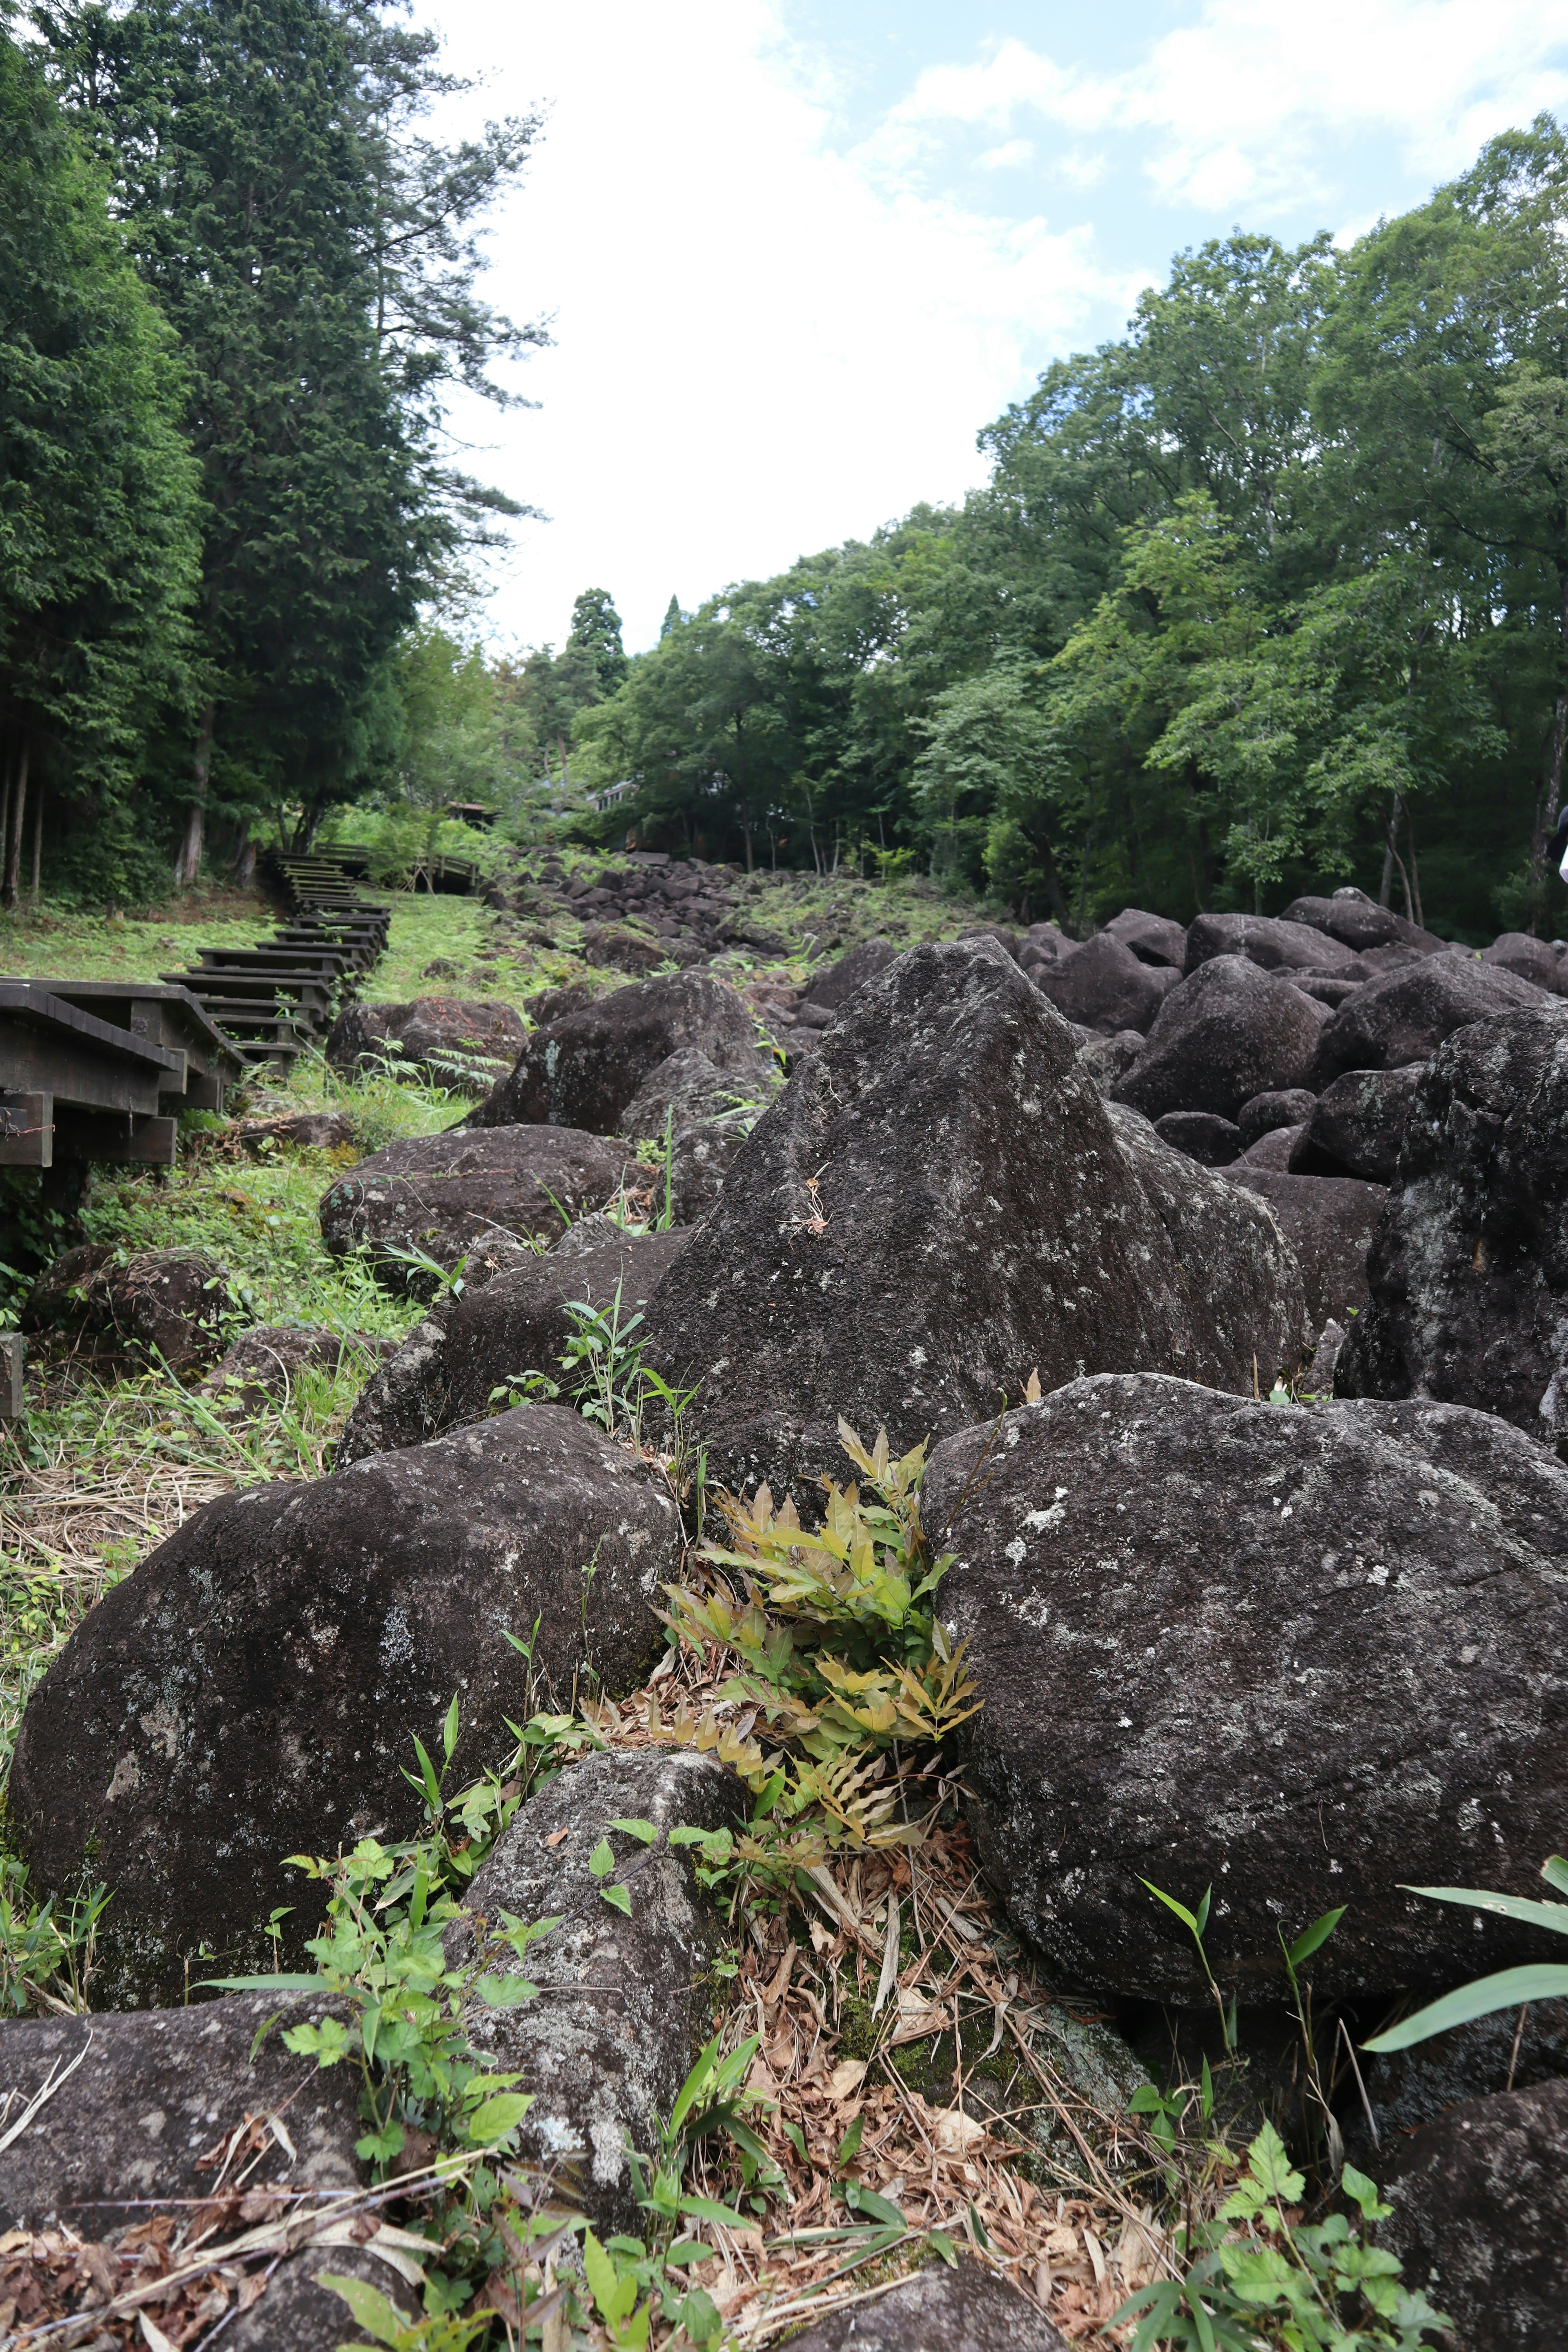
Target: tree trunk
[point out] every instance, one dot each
(1415, 868)
(38, 844)
(1385, 888)
(244, 861)
(6, 814)
(18, 819)
(188, 864)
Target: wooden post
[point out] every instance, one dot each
(13, 1366)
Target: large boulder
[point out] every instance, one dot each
(836, 986)
(1213, 1142)
(686, 1089)
(1481, 2218)
(450, 1367)
(1469, 1272)
(1359, 922)
(1153, 938)
(1235, 1267)
(968, 2309)
(606, 2049)
(1403, 1015)
(1329, 1221)
(144, 1303)
(462, 1044)
(252, 1689)
(1304, 1656)
(582, 1069)
(1528, 958)
(1287, 1107)
(1268, 941)
(1357, 1125)
(1227, 1032)
(264, 1364)
(439, 1196)
(1106, 987)
(935, 1207)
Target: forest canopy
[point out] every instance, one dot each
(1269, 594)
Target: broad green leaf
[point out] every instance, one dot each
(849, 2146)
(612, 2293)
(1510, 1988)
(601, 1861)
(1307, 1942)
(449, 1729)
(370, 2308)
(378, 2145)
(1364, 2191)
(1271, 2168)
(944, 2247)
(644, 1831)
(703, 2209)
(495, 2116)
(505, 1992)
(262, 1984)
(1555, 1869)
(619, 1898)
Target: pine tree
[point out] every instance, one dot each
(596, 630)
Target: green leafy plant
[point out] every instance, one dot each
(841, 1651)
(45, 1960)
(1509, 1988)
(1195, 1922)
(1264, 2277)
(385, 2324)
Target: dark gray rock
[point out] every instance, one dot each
(1469, 1272)
(1104, 986)
(935, 1206)
(1358, 921)
(1288, 1107)
(308, 1130)
(837, 984)
(1268, 941)
(1481, 2218)
(1213, 1142)
(1329, 1221)
(583, 1067)
(1273, 1148)
(442, 1195)
(686, 1089)
(615, 947)
(1407, 2088)
(252, 1689)
(1235, 1268)
(1357, 1126)
(1403, 1015)
(1528, 958)
(264, 1364)
(461, 1044)
(966, 2310)
(144, 1304)
(1305, 1656)
(155, 2092)
(1328, 992)
(448, 1369)
(700, 1160)
(1153, 938)
(1109, 1059)
(1228, 1033)
(607, 2045)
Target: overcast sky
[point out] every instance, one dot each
(796, 252)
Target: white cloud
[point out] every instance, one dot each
(1009, 156)
(762, 346)
(1245, 104)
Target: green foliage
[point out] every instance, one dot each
(385, 2324)
(1509, 1988)
(45, 1959)
(1264, 2277)
(841, 1651)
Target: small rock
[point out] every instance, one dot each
(441, 1195)
(1359, 922)
(264, 1364)
(1528, 958)
(613, 947)
(1481, 2218)
(1213, 1142)
(252, 1689)
(938, 2310)
(1287, 1107)
(684, 1089)
(1273, 1150)
(308, 1130)
(1109, 1059)
(606, 2049)
(837, 984)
